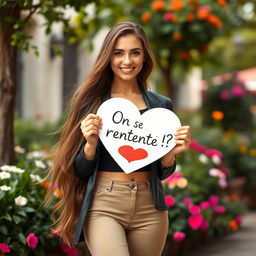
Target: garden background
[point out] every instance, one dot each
(205, 53)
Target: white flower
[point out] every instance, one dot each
(11, 168)
(19, 149)
(216, 159)
(40, 164)
(5, 175)
(36, 178)
(21, 200)
(203, 158)
(35, 154)
(5, 188)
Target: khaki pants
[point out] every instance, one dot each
(123, 221)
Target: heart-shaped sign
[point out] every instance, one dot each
(135, 140)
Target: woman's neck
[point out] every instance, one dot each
(125, 87)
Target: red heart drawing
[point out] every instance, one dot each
(130, 154)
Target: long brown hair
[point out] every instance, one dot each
(86, 99)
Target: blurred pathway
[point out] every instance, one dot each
(240, 243)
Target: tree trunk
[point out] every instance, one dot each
(8, 56)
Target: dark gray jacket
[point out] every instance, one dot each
(87, 169)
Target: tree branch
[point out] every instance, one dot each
(32, 11)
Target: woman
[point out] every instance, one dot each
(118, 214)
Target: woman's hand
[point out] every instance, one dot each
(182, 139)
(90, 128)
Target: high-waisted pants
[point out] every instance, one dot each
(123, 221)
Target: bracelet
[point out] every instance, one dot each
(169, 164)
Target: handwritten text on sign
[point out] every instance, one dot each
(136, 140)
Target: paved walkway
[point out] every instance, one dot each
(240, 243)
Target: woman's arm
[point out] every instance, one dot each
(86, 157)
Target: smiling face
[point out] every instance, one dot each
(127, 58)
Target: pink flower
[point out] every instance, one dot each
(195, 221)
(238, 91)
(187, 201)
(197, 147)
(179, 236)
(205, 205)
(220, 209)
(169, 200)
(213, 152)
(238, 219)
(194, 209)
(70, 251)
(168, 16)
(205, 225)
(222, 182)
(173, 177)
(4, 248)
(32, 240)
(214, 200)
(204, 8)
(224, 95)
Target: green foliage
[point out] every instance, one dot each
(52, 12)
(33, 137)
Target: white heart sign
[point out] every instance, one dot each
(135, 140)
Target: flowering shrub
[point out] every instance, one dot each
(228, 104)
(25, 223)
(182, 27)
(196, 197)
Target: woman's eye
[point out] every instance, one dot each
(136, 53)
(117, 53)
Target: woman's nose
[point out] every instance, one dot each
(127, 59)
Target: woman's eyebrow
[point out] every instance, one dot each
(134, 49)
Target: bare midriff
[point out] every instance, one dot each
(121, 176)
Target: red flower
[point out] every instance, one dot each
(32, 240)
(4, 248)
(70, 251)
(179, 236)
(195, 221)
(214, 200)
(220, 209)
(169, 200)
(205, 205)
(194, 209)
(205, 225)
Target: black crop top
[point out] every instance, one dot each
(108, 164)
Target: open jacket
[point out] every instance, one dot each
(87, 169)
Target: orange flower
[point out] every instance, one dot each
(58, 192)
(217, 115)
(45, 184)
(222, 3)
(202, 15)
(176, 5)
(177, 36)
(234, 197)
(253, 152)
(157, 5)
(242, 149)
(190, 17)
(233, 225)
(214, 20)
(175, 18)
(146, 17)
